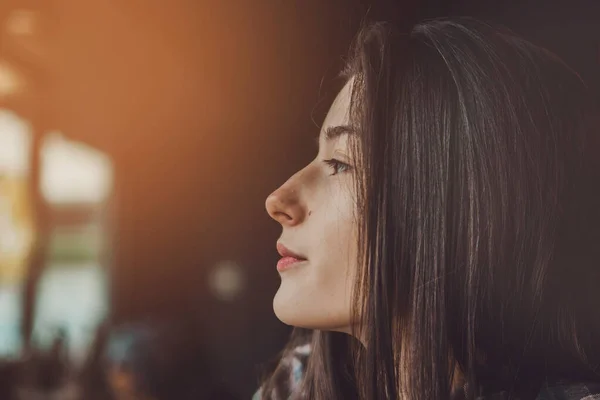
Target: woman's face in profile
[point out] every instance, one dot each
(316, 209)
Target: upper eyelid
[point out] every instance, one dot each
(346, 158)
(342, 156)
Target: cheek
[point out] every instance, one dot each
(337, 248)
(338, 265)
(335, 261)
(320, 295)
(338, 227)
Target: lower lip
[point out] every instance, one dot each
(288, 262)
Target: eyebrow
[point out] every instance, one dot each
(334, 132)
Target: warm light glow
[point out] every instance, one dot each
(15, 144)
(21, 22)
(10, 80)
(16, 230)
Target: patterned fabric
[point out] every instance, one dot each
(295, 362)
(558, 391)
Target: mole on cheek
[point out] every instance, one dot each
(309, 213)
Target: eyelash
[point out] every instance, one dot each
(336, 165)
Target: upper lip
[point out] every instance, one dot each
(285, 252)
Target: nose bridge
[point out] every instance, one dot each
(285, 204)
(294, 183)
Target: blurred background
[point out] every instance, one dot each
(138, 142)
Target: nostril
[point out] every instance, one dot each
(282, 216)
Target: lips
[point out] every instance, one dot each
(289, 258)
(285, 252)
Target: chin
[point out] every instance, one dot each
(292, 312)
(283, 309)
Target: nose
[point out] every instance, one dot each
(284, 206)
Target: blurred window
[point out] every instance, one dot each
(16, 226)
(72, 297)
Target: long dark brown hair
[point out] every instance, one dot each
(478, 207)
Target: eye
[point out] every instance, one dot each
(337, 166)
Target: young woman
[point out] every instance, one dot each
(444, 243)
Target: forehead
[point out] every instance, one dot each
(339, 112)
